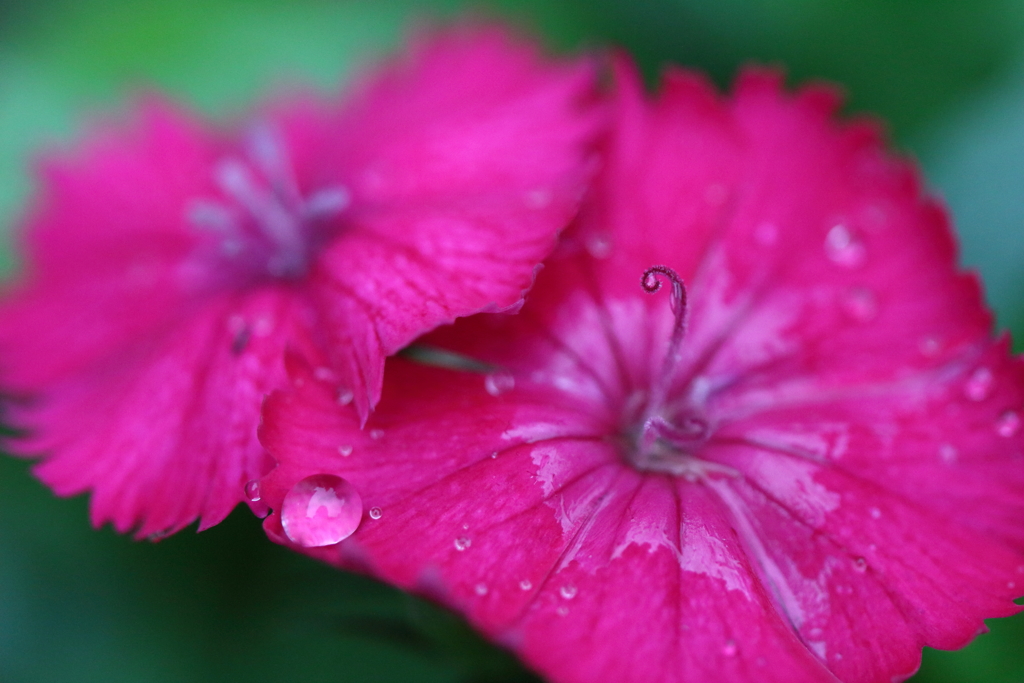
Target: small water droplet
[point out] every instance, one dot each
(252, 491)
(730, 649)
(538, 199)
(1020, 568)
(1011, 584)
(860, 564)
(525, 585)
(465, 526)
(481, 589)
(375, 513)
(948, 453)
(562, 611)
(499, 382)
(323, 374)
(844, 247)
(345, 450)
(1008, 424)
(567, 591)
(766, 234)
(929, 347)
(860, 304)
(979, 385)
(320, 510)
(376, 434)
(599, 245)
(494, 455)
(875, 513)
(461, 543)
(345, 396)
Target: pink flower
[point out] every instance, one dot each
(805, 465)
(170, 267)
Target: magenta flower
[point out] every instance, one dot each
(804, 465)
(170, 267)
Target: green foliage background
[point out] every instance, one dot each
(83, 605)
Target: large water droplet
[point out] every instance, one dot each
(320, 510)
(844, 247)
(730, 649)
(860, 304)
(252, 491)
(461, 543)
(567, 591)
(979, 385)
(1008, 424)
(499, 382)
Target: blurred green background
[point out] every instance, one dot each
(84, 605)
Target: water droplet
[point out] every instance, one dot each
(766, 234)
(979, 385)
(844, 247)
(875, 513)
(1011, 584)
(860, 564)
(1008, 424)
(730, 649)
(494, 455)
(376, 434)
(375, 513)
(599, 245)
(525, 585)
(499, 382)
(1020, 568)
(538, 199)
(562, 611)
(345, 450)
(860, 304)
(252, 491)
(323, 374)
(948, 453)
(320, 510)
(461, 543)
(345, 396)
(929, 347)
(480, 589)
(567, 591)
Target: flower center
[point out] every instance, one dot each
(661, 433)
(263, 224)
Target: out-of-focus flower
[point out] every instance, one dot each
(168, 268)
(804, 465)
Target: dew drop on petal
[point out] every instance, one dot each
(766, 234)
(1008, 424)
(860, 304)
(562, 611)
(929, 347)
(1011, 584)
(538, 198)
(979, 385)
(375, 513)
(567, 591)
(875, 513)
(599, 245)
(948, 453)
(376, 434)
(494, 455)
(730, 649)
(498, 383)
(252, 491)
(322, 509)
(345, 396)
(461, 543)
(525, 585)
(480, 589)
(345, 450)
(844, 247)
(323, 374)
(860, 564)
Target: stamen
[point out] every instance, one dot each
(651, 283)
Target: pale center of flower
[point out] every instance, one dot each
(661, 433)
(263, 224)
